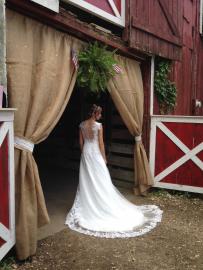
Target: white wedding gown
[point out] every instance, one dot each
(99, 208)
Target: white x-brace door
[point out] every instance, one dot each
(165, 141)
(7, 201)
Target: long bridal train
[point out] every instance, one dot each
(99, 208)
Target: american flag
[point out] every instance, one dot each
(74, 59)
(117, 68)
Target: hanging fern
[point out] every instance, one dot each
(95, 67)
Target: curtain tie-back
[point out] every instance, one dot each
(23, 144)
(138, 138)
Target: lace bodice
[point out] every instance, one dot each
(90, 135)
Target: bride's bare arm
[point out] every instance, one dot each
(81, 141)
(101, 143)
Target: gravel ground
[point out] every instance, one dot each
(176, 243)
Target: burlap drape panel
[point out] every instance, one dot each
(126, 90)
(41, 78)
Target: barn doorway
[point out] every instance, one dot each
(58, 156)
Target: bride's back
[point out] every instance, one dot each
(90, 130)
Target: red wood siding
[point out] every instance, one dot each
(182, 76)
(156, 27)
(184, 70)
(4, 185)
(199, 76)
(188, 73)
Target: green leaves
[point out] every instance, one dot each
(7, 264)
(95, 67)
(165, 90)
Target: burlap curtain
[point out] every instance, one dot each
(41, 78)
(126, 90)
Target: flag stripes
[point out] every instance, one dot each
(117, 68)
(74, 59)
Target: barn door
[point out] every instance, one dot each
(112, 11)
(176, 152)
(155, 26)
(7, 213)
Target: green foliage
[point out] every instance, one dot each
(7, 264)
(95, 67)
(165, 90)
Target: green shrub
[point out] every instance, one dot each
(165, 90)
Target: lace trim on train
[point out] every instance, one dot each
(151, 212)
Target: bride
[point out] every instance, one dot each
(99, 208)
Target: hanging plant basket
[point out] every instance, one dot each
(96, 67)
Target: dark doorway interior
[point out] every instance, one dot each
(58, 157)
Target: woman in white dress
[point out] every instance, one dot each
(99, 208)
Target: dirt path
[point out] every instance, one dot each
(176, 243)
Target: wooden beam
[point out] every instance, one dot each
(123, 184)
(122, 175)
(123, 162)
(122, 148)
(66, 22)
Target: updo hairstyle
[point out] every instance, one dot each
(94, 110)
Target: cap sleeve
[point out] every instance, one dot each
(99, 125)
